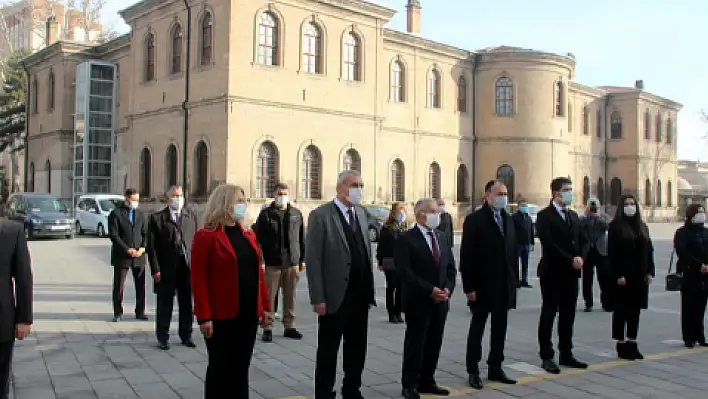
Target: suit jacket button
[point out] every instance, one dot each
(346, 278)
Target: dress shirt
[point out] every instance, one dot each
(424, 231)
(561, 210)
(345, 210)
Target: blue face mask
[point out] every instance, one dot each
(401, 217)
(524, 208)
(239, 212)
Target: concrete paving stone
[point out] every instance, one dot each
(553, 387)
(520, 391)
(272, 389)
(155, 390)
(43, 392)
(113, 389)
(181, 380)
(140, 375)
(492, 394)
(99, 372)
(607, 392)
(31, 378)
(78, 395)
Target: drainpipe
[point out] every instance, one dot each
(185, 131)
(607, 152)
(28, 111)
(476, 59)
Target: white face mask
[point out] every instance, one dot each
(281, 200)
(432, 220)
(500, 202)
(699, 218)
(239, 212)
(177, 203)
(355, 195)
(133, 204)
(441, 208)
(630, 210)
(567, 197)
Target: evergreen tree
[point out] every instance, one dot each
(12, 102)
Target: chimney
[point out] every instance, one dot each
(413, 16)
(639, 84)
(51, 31)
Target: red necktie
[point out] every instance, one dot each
(434, 244)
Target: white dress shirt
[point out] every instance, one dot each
(560, 209)
(345, 211)
(424, 230)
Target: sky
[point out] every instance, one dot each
(615, 42)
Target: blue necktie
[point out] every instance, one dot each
(498, 219)
(131, 216)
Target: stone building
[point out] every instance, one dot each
(692, 184)
(297, 90)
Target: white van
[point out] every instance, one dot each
(92, 212)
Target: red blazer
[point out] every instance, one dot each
(214, 276)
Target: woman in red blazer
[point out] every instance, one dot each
(229, 289)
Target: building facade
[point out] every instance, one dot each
(692, 184)
(297, 90)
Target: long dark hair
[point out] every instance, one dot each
(634, 222)
(392, 214)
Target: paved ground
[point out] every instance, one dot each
(76, 352)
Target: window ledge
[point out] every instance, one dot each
(149, 82)
(203, 67)
(176, 75)
(266, 66)
(437, 109)
(350, 82)
(390, 101)
(511, 115)
(316, 75)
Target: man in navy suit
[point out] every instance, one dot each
(424, 258)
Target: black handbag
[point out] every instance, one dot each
(674, 280)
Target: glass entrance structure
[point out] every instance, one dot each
(94, 128)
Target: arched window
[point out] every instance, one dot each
(598, 123)
(570, 117)
(207, 40)
(352, 57)
(268, 40)
(586, 189)
(50, 91)
(462, 183)
(434, 88)
(170, 166)
(586, 121)
(558, 97)
(434, 180)
(398, 181)
(352, 160)
(176, 61)
(311, 173)
(647, 125)
(398, 78)
(504, 96)
(462, 94)
(201, 170)
(601, 191)
(312, 48)
(659, 128)
(30, 178)
(35, 96)
(669, 194)
(659, 193)
(150, 57)
(647, 193)
(505, 174)
(615, 190)
(48, 170)
(669, 130)
(266, 170)
(145, 173)
(616, 125)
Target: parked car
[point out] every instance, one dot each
(376, 217)
(92, 212)
(42, 214)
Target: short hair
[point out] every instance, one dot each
(522, 200)
(490, 184)
(129, 192)
(281, 186)
(342, 177)
(422, 203)
(172, 188)
(558, 182)
(692, 210)
(594, 200)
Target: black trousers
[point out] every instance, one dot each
(693, 309)
(5, 368)
(559, 295)
(595, 261)
(425, 327)
(165, 289)
(497, 339)
(119, 276)
(393, 292)
(351, 323)
(625, 322)
(229, 352)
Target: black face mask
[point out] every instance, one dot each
(593, 208)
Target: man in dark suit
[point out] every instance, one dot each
(489, 278)
(424, 259)
(445, 226)
(171, 232)
(341, 284)
(523, 226)
(127, 229)
(15, 309)
(559, 270)
(593, 249)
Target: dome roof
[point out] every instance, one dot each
(683, 184)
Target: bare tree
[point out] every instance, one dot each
(661, 153)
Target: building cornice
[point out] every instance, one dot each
(427, 133)
(411, 40)
(585, 89)
(141, 8)
(119, 43)
(524, 57)
(361, 7)
(61, 47)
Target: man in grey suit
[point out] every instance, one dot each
(593, 249)
(341, 283)
(16, 309)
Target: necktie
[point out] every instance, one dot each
(434, 245)
(352, 220)
(131, 216)
(178, 235)
(498, 219)
(566, 216)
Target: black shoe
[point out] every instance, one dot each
(189, 343)
(352, 394)
(267, 336)
(141, 317)
(623, 352)
(633, 350)
(409, 393)
(474, 381)
(433, 389)
(588, 308)
(703, 343)
(164, 345)
(550, 366)
(291, 333)
(526, 285)
(399, 318)
(572, 362)
(392, 318)
(116, 319)
(689, 344)
(500, 376)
